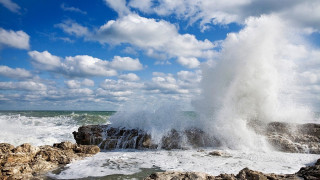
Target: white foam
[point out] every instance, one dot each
(16, 129)
(130, 162)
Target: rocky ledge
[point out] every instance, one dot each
(30, 162)
(107, 137)
(303, 138)
(306, 173)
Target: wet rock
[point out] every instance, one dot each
(310, 172)
(306, 173)
(27, 161)
(179, 175)
(247, 174)
(294, 138)
(107, 137)
(303, 138)
(244, 174)
(216, 153)
(111, 138)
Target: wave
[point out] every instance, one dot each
(45, 127)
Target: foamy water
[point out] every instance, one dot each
(44, 127)
(131, 162)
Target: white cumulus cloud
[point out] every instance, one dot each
(301, 13)
(23, 85)
(126, 63)
(129, 77)
(16, 73)
(72, 66)
(44, 60)
(188, 62)
(153, 36)
(16, 39)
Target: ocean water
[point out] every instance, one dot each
(48, 127)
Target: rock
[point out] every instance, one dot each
(107, 137)
(294, 138)
(179, 175)
(216, 153)
(310, 172)
(307, 173)
(26, 161)
(5, 147)
(244, 174)
(247, 174)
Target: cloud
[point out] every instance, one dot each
(72, 9)
(84, 65)
(73, 28)
(118, 90)
(226, 12)
(185, 83)
(120, 85)
(77, 66)
(119, 6)
(126, 64)
(153, 36)
(129, 77)
(188, 62)
(142, 5)
(45, 61)
(13, 7)
(74, 84)
(16, 73)
(23, 85)
(87, 82)
(16, 39)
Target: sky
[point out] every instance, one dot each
(105, 54)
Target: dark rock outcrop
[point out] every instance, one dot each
(107, 137)
(303, 138)
(27, 162)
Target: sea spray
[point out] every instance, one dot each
(253, 80)
(156, 121)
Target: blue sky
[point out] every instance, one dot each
(101, 55)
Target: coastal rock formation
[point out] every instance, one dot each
(295, 138)
(285, 137)
(306, 173)
(244, 174)
(26, 161)
(107, 137)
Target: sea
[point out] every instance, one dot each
(48, 127)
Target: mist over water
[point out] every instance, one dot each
(253, 80)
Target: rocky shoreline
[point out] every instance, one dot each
(306, 173)
(31, 162)
(293, 138)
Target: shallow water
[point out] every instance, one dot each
(48, 127)
(133, 162)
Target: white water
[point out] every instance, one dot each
(16, 129)
(254, 79)
(130, 162)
